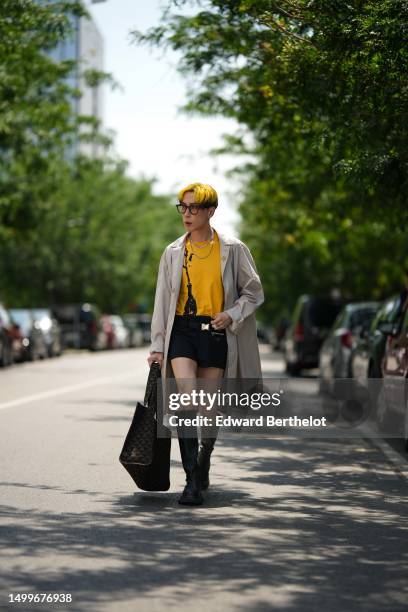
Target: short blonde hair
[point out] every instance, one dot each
(203, 194)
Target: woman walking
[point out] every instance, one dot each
(203, 323)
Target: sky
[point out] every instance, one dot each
(151, 133)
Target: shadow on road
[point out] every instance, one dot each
(287, 525)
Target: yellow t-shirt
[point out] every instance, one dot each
(202, 269)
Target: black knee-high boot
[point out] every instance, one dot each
(191, 495)
(204, 455)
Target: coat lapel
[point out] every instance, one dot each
(224, 251)
(177, 268)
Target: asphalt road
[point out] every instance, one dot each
(288, 524)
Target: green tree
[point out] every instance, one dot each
(37, 120)
(319, 90)
(99, 240)
(71, 228)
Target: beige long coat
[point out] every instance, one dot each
(243, 293)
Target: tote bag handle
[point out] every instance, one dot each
(151, 385)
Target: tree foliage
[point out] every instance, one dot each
(71, 228)
(99, 240)
(319, 90)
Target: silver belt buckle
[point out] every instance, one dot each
(205, 326)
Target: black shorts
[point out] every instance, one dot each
(208, 347)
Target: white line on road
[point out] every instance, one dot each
(399, 462)
(61, 390)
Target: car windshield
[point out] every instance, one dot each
(362, 318)
(40, 313)
(23, 319)
(340, 319)
(67, 313)
(387, 312)
(322, 312)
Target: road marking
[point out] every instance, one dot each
(62, 390)
(398, 461)
(395, 458)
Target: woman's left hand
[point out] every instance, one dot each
(221, 320)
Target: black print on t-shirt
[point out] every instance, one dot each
(190, 307)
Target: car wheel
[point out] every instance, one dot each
(293, 369)
(10, 359)
(3, 355)
(372, 371)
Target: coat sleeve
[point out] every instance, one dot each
(249, 288)
(161, 307)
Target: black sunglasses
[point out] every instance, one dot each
(192, 208)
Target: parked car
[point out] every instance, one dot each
(336, 351)
(120, 331)
(279, 333)
(6, 337)
(32, 337)
(312, 318)
(369, 350)
(145, 321)
(81, 325)
(263, 333)
(135, 331)
(17, 342)
(50, 329)
(393, 400)
(108, 330)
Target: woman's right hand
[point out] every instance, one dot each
(155, 357)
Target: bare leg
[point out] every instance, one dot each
(185, 373)
(211, 378)
(184, 367)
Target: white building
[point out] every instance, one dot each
(90, 54)
(86, 46)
